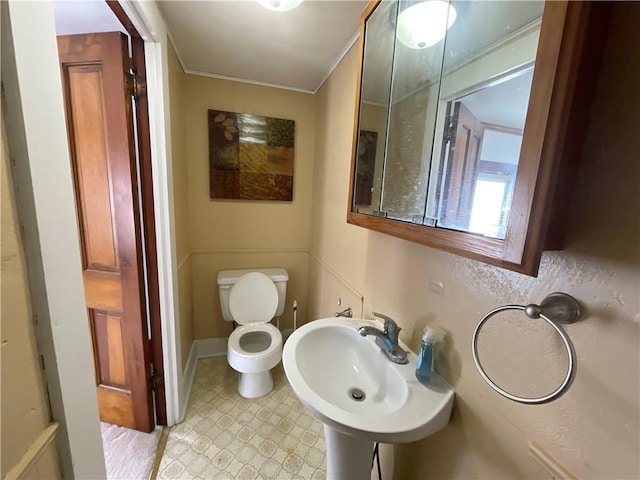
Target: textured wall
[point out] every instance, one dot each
(179, 155)
(25, 412)
(488, 437)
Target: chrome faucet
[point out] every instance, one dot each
(387, 339)
(347, 312)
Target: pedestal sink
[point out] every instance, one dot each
(359, 395)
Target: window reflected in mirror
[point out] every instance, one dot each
(480, 152)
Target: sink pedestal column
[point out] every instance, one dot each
(348, 457)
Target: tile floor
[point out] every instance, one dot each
(225, 436)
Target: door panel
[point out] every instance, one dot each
(99, 122)
(110, 365)
(467, 133)
(93, 198)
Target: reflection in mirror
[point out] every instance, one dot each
(480, 152)
(376, 87)
(414, 100)
(481, 69)
(484, 94)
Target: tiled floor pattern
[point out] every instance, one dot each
(225, 436)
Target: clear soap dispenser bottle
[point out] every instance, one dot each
(424, 364)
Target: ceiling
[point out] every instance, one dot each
(298, 49)
(240, 39)
(73, 17)
(243, 40)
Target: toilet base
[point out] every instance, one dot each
(254, 385)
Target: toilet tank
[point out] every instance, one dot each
(227, 278)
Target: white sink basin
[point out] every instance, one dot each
(325, 360)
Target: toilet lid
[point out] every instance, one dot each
(253, 298)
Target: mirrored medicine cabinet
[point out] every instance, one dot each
(470, 118)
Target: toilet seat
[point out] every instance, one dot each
(254, 362)
(253, 298)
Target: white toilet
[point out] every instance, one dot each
(251, 298)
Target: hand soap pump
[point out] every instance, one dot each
(424, 364)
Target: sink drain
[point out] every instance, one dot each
(357, 394)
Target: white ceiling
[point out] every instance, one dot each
(240, 39)
(503, 104)
(297, 50)
(243, 40)
(73, 17)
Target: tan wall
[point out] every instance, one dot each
(181, 202)
(25, 412)
(179, 154)
(239, 233)
(594, 429)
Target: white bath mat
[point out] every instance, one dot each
(128, 454)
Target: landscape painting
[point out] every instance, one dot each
(250, 156)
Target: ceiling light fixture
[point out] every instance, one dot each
(424, 24)
(280, 5)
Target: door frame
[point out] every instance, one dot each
(145, 160)
(145, 17)
(37, 137)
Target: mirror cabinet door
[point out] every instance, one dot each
(453, 111)
(487, 73)
(417, 71)
(377, 63)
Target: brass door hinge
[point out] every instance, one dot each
(135, 85)
(156, 380)
(450, 128)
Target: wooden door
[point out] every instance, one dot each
(94, 69)
(465, 139)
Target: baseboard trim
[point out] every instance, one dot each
(33, 453)
(187, 381)
(548, 465)
(211, 347)
(207, 347)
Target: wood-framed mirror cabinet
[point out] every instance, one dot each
(532, 204)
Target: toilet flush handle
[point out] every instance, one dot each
(347, 312)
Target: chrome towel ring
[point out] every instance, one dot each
(557, 308)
